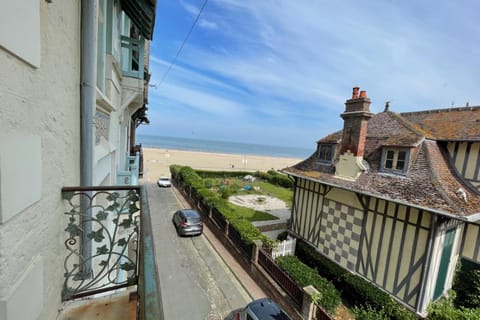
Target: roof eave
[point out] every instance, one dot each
(467, 218)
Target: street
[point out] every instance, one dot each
(195, 282)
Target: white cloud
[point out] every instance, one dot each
(293, 64)
(190, 8)
(203, 23)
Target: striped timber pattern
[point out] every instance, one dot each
(471, 242)
(465, 156)
(379, 240)
(394, 246)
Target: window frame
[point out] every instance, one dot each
(395, 160)
(320, 154)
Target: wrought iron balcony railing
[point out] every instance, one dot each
(109, 245)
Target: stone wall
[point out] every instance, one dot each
(39, 111)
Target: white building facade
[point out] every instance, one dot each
(58, 129)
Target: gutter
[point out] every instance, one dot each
(470, 218)
(422, 303)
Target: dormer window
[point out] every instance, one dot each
(395, 160)
(325, 152)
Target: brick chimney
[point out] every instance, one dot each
(355, 118)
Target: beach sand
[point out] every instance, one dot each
(156, 162)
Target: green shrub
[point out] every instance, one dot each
(225, 192)
(223, 174)
(276, 178)
(369, 313)
(444, 309)
(325, 267)
(303, 275)
(208, 183)
(355, 290)
(282, 236)
(239, 217)
(467, 285)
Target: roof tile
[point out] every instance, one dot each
(430, 182)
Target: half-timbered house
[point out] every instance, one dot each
(394, 197)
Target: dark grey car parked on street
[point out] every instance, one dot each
(187, 222)
(261, 309)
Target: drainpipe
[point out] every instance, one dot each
(88, 63)
(87, 89)
(420, 308)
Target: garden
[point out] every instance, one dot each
(337, 287)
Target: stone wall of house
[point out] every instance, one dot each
(39, 141)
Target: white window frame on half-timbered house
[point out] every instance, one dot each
(395, 160)
(325, 152)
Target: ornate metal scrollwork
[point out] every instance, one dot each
(102, 231)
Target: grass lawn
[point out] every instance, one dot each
(236, 186)
(250, 214)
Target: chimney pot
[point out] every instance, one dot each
(355, 118)
(355, 92)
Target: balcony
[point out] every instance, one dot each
(110, 269)
(133, 57)
(131, 175)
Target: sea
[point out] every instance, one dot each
(214, 146)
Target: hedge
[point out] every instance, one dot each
(247, 231)
(304, 276)
(369, 313)
(276, 178)
(355, 290)
(467, 285)
(444, 309)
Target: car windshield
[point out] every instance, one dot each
(164, 179)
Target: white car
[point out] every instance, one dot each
(164, 182)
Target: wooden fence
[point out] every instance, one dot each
(293, 290)
(284, 248)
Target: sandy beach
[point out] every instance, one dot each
(156, 162)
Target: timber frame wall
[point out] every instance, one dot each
(384, 242)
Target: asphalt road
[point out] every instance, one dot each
(195, 282)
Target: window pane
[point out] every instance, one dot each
(389, 164)
(390, 155)
(400, 164)
(402, 156)
(325, 152)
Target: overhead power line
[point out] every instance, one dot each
(181, 47)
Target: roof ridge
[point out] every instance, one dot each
(466, 108)
(410, 126)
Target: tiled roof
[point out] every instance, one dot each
(448, 124)
(430, 181)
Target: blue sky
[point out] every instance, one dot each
(279, 72)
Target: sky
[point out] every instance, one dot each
(279, 72)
